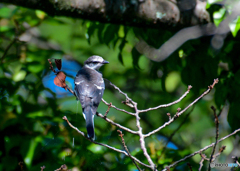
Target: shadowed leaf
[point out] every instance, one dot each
(58, 63)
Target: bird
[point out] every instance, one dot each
(89, 89)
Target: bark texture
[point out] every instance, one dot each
(143, 13)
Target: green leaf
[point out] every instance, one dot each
(96, 148)
(135, 55)
(233, 115)
(40, 14)
(91, 28)
(111, 33)
(120, 58)
(5, 12)
(19, 76)
(35, 67)
(29, 157)
(218, 16)
(235, 26)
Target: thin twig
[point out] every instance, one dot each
(122, 110)
(219, 152)
(109, 106)
(169, 104)
(117, 125)
(203, 149)
(125, 94)
(217, 135)
(178, 114)
(42, 168)
(8, 47)
(110, 147)
(124, 145)
(189, 166)
(174, 132)
(201, 164)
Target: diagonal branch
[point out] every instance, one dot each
(124, 145)
(116, 124)
(169, 104)
(179, 113)
(201, 150)
(217, 135)
(122, 110)
(105, 145)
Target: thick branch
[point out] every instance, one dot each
(145, 13)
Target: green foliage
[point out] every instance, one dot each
(31, 125)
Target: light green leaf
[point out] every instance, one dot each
(218, 16)
(235, 26)
(19, 76)
(95, 148)
(40, 14)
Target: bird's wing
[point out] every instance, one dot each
(89, 90)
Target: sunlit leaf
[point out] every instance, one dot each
(96, 148)
(5, 12)
(235, 26)
(19, 76)
(40, 14)
(218, 16)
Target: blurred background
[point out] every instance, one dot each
(31, 126)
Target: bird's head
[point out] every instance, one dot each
(95, 62)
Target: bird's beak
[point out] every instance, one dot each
(105, 62)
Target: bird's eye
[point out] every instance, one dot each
(91, 64)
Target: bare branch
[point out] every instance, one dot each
(8, 47)
(217, 135)
(125, 94)
(189, 166)
(201, 150)
(116, 124)
(235, 160)
(178, 114)
(109, 106)
(124, 145)
(122, 110)
(110, 147)
(167, 105)
(174, 132)
(201, 163)
(142, 141)
(42, 168)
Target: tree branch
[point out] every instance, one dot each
(105, 145)
(170, 104)
(124, 145)
(201, 150)
(217, 135)
(143, 13)
(179, 113)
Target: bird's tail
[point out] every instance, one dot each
(89, 117)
